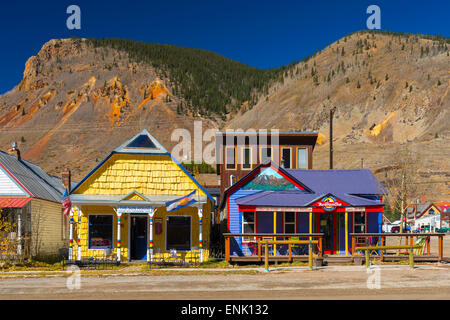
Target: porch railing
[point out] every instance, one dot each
(384, 240)
(287, 245)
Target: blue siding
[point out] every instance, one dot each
(265, 222)
(373, 222)
(235, 217)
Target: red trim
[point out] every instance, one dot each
(317, 202)
(246, 208)
(13, 202)
(14, 178)
(317, 223)
(351, 222)
(374, 209)
(367, 221)
(334, 232)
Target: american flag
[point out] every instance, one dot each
(67, 204)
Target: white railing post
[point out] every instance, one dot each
(200, 235)
(119, 214)
(19, 232)
(71, 235)
(150, 236)
(79, 234)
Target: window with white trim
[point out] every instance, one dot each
(359, 222)
(302, 158)
(100, 235)
(286, 158)
(289, 222)
(248, 224)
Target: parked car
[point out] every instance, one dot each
(443, 230)
(395, 229)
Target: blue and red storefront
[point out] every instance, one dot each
(273, 200)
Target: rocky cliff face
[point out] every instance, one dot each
(76, 103)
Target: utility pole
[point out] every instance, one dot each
(332, 110)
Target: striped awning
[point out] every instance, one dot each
(13, 202)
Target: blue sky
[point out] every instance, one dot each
(259, 33)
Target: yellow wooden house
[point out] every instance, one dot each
(122, 207)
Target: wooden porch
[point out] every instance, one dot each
(258, 242)
(423, 254)
(289, 242)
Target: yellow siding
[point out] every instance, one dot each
(147, 174)
(158, 240)
(46, 229)
(135, 197)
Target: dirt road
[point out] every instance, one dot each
(347, 282)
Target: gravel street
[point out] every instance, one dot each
(340, 282)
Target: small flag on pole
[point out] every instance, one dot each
(67, 204)
(181, 202)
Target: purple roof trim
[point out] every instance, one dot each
(297, 199)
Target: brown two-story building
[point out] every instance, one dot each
(237, 153)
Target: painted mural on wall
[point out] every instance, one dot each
(269, 179)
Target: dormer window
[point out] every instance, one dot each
(142, 141)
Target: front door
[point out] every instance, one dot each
(326, 227)
(138, 238)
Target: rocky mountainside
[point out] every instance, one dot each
(79, 99)
(76, 103)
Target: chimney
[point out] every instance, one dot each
(15, 150)
(423, 198)
(66, 178)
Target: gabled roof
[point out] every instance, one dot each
(423, 207)
(130, 195)
(33, 179)
(350, 185)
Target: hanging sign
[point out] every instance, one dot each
(134, 209)
(328, 203)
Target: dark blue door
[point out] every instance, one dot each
(138, 245)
